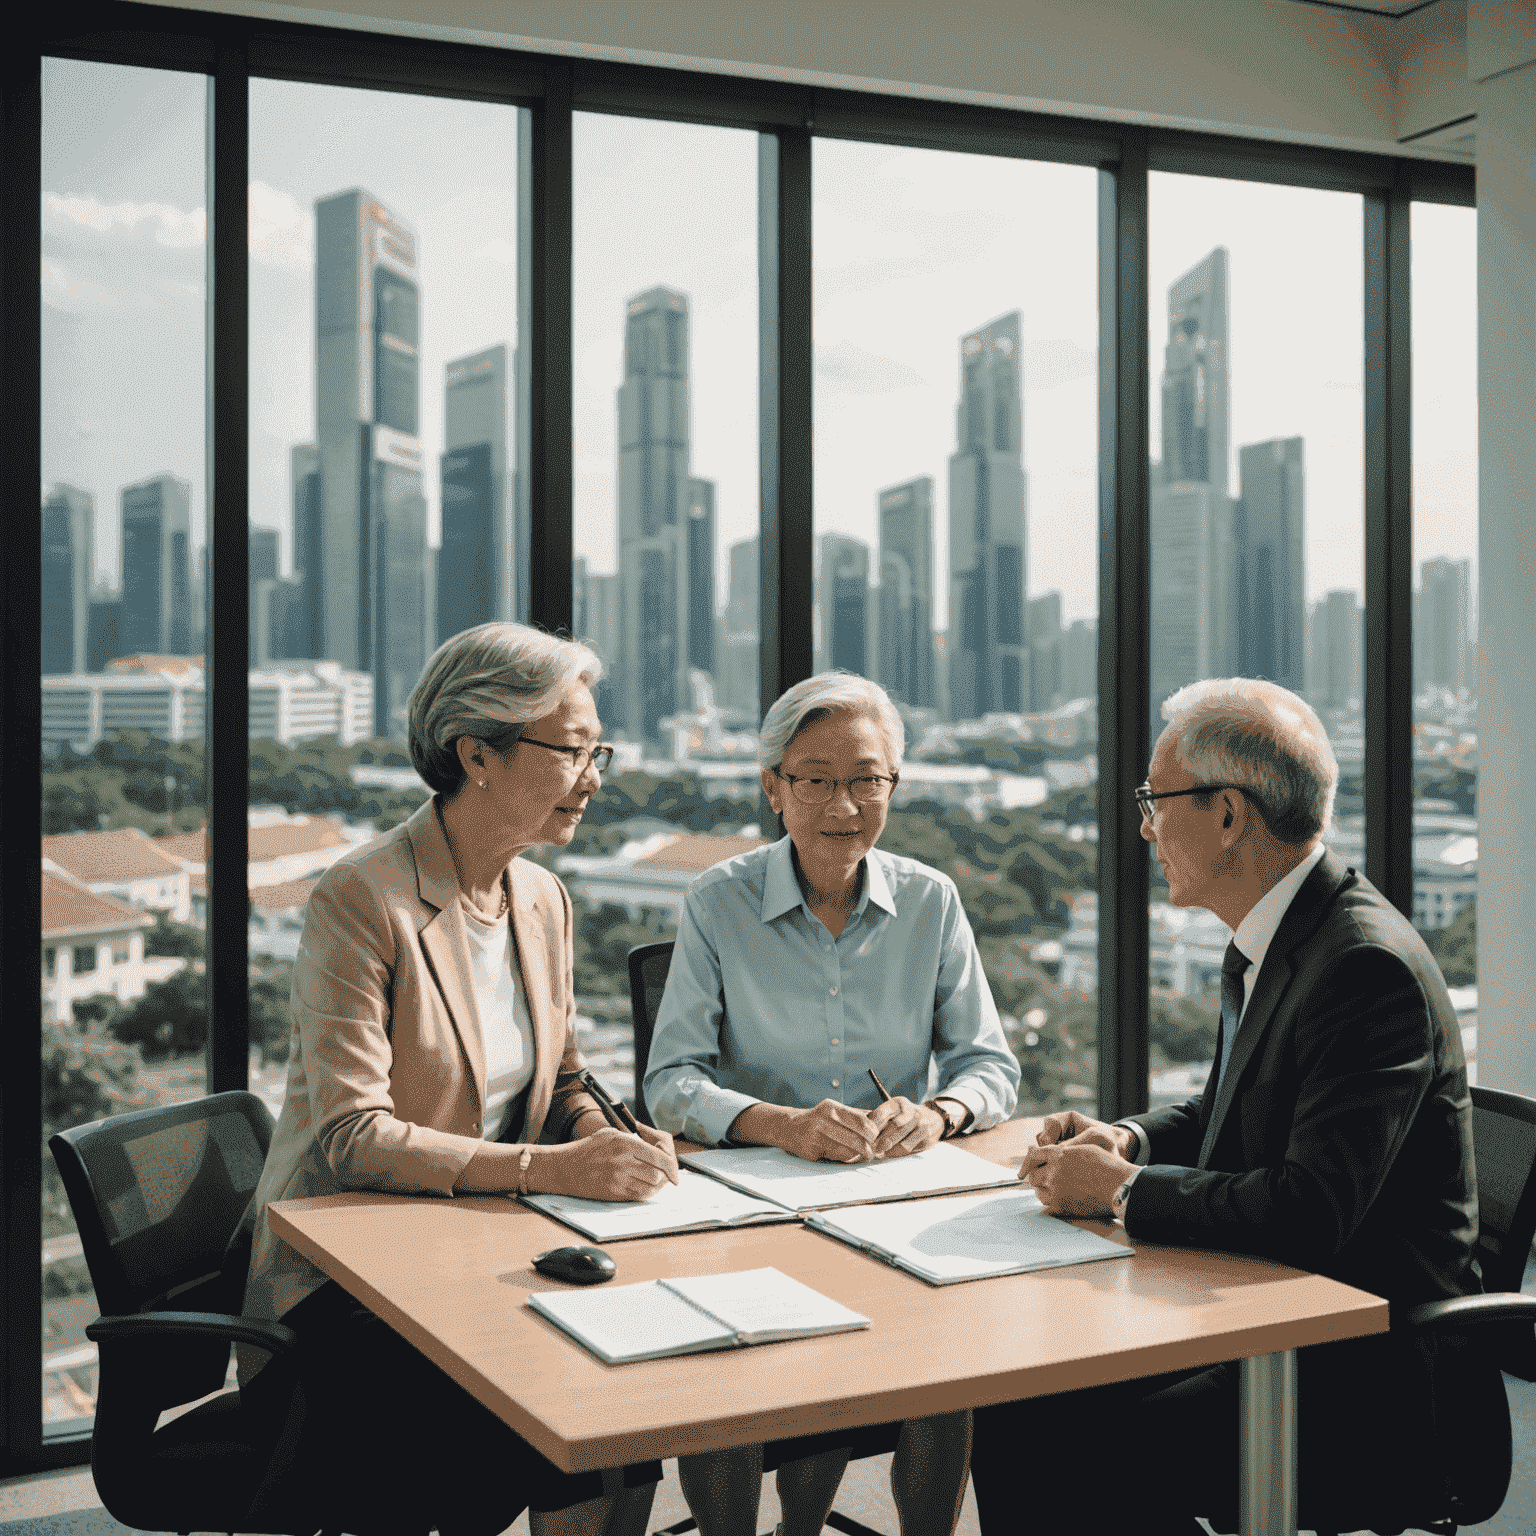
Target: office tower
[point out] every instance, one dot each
(104, 630)
(736, 684)
(1337, 635)
(1080, 661)
(1271, 594)
(1194, 551)
(595, 619)
(157, 568)
(69, 526)
(1442, 641)
(988, 659)
(701, 575)
(305, 623)
(477, 565)
(841, 616)
(906, 591)
(1042, 627)
(654, 500)
(374, 599)
(262, 578)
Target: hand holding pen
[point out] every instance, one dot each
(901, 1126)
(619, 1117)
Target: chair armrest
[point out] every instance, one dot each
(275, 1338)
(1463, 1312)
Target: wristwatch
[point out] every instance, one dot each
(1117, 1205)
(955, 1115)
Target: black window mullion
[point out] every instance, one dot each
(1388, 659)
(21, 1112)
(549, 460)
(227, 750)
(1124, 620)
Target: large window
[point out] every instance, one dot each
(124, 571)
(1445, 598)
(1257, 509)
(956, 407)
(665, 579)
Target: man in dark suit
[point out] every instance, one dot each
(1334, 1135)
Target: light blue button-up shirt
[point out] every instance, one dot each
(764, 1005)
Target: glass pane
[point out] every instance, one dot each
(666, 572)
(1445, 599)
(124, 576)
(1258, 509)
(385, 514)
(956, 527)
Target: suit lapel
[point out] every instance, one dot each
(443, 941)
(529, 936)
(1270, 985)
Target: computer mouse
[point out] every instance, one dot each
(577, 1265)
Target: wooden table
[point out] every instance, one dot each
(453, 1277)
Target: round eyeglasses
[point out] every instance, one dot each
(1147, 797)
(816, 790)
(600, 756)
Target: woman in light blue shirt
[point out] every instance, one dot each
(798, 968)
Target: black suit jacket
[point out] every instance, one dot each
(1340, 1138)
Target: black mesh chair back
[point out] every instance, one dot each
(1504, 1135)
(648, 966)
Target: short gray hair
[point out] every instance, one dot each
(489, 682)
(829, 693)
(1262, 738)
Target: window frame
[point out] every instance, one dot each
(231, 50)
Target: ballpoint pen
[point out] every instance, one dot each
(885, 1098)
(614, 1110)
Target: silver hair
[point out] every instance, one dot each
(829, 693)
(489, 682)
(1262, 738)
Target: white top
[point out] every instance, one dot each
(503, 1008)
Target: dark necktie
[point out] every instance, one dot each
(1233, 964)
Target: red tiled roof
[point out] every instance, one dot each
(124, 854)
(68, 908)
(192, 846)
(695, 851)
(284, 838)
(287, 893)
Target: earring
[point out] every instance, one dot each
(484, 785)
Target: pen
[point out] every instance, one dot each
(885, 1098)
(616, 1113)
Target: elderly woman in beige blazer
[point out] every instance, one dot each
(434, 1053)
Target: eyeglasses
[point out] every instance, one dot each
(815, 790)
(1146, 796)
(600, 757)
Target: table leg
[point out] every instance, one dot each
(1266, 1487)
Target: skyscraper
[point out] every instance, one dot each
(906, 591)
(737, 655)
(477, 564)
(701, 575)
(305, 622)
(842, 609)
(68, 531)
(988, 658)
(654, 501)
(157, 568)
(374, 594)
(1193, 571)
(1043, 626)
(595, 619)
(1336, 644)
(1271, 595)
(261, 580)
(1442, 641)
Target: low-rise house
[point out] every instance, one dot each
(125, 863)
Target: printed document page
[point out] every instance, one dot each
(969, 1237)
(773, 1174)
(692, 1202)
(765, 1304)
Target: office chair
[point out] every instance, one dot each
(648, 964)
(1477, 1443)
(159, 1197)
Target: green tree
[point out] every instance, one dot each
(171, 1019)
(87, 1074)
(271, 1014)
(170, 938)
(1455, 947)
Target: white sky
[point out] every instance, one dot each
(913, 250)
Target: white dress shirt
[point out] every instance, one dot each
(504, 1022)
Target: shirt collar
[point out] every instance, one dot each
(781, 891)
(1257, 931)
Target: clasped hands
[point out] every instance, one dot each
(1077, 1164)
(838, 1133)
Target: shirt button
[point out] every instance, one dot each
(837, 1082)
(834, 991)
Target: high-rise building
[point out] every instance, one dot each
(906, 591)
(1043, 629)
(477, 565)
(375, 596)
(157, 568)
(1334, 675)
(303, 619)
(262, 578)
(1442, 640)
(1271, 577)
(701, 575)
(840, 618)
(1080, 660)
(69, 526)
(1194, 553)
(988, 656)
(654, 501)
(595, 619)
(737, 655)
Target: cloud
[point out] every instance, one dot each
(500, 250)
(282, 230)
(66, 290)
(161, 223)
(846, 369)
(1051, 361)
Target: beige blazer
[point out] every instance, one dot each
(386, 1076)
